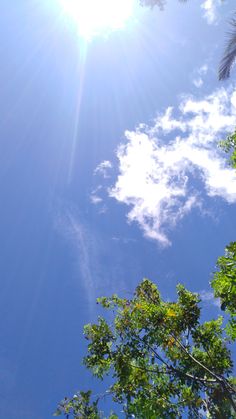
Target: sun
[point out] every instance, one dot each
(94, 17)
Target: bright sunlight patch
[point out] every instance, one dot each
(94, 17)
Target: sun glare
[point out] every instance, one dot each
(94, 17)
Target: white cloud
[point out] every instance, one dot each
(210, 8)
(161, 167)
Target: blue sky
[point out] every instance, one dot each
(109, 172)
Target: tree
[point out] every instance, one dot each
(224, 281)
(165, 363)
(80, 406)
(229, 146)
(224, 285)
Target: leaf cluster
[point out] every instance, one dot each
(224, 285)
(229, 146)
(80, 406)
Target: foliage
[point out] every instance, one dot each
(224, 285)
(163, 361)
(229, 146)
(224, 282)
(81, 406)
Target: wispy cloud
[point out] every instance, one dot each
(95, 196)
(208, 298)
(170, 168)
(199, 76)
(94, 269)
(210, 8)
(103, 168)
(85, 246)
(95, 199)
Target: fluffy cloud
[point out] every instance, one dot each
(168, 169)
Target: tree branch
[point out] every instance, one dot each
(178, 372)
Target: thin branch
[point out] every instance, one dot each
(178, 372)
(218, 378)
(156, 353)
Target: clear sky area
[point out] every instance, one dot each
(109, 172)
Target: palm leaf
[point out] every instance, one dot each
(229, 56)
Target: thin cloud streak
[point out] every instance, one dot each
(85, 250)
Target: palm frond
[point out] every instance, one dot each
(229, 56)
